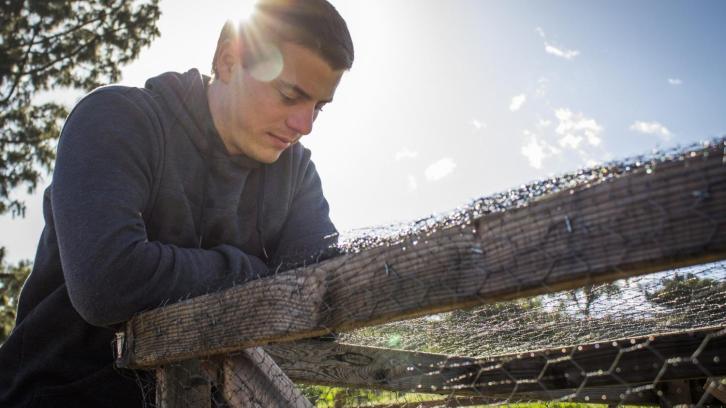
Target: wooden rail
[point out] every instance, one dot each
(604, 367)
(636, 224)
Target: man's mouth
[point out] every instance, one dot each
(280, 141)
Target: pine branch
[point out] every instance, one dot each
(19, 74)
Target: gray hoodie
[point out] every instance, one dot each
(145, 208)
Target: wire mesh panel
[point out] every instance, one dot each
(614, 343)
(598, 286)
(683, 299)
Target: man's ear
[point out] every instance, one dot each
(228, 52)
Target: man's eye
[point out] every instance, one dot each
(286, 96)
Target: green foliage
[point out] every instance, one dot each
(46, 44)
(689, 291)
(11, 280)
(333, 397)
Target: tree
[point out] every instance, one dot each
(11, 280)
(690, 293)
(46, 44)
(585, 297)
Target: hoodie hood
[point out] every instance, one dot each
(185, 94)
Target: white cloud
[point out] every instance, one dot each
(517, 102)
(536, 150)
(405, 154)
(556, 50)
(570, 140)
(574, 127)
(561, 52)
(440, 169)
(591, 162)
(412, 183)
(675, 81)
(477, 124)
(652, 128)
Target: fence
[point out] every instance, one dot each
(517, 253)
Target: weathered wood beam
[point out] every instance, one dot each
(253, 379)
(643, 361)
(621, 370)
(288, 302)
(183, 385)
(349, 365)
(636, 224)
(250, 378)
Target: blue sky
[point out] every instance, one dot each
(450, 100)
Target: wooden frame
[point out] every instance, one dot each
(605, 366)
(639, 223)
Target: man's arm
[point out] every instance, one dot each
(101, 185)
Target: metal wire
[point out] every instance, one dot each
(614, 339)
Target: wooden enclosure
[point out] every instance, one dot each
(653, 218)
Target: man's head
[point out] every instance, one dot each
(273, 75)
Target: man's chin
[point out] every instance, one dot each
(268, 156)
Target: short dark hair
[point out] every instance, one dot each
(314, 24)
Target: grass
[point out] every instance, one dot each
(334, 397)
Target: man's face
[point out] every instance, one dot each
(263, 118)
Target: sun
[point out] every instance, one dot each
(235, 10)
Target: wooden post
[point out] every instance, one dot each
(253, 379)
(183, 385)
(249, 379)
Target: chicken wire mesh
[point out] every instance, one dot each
(627, 338)
(683, 299)
(570, 313)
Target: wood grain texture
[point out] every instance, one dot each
(636, 224)
(183, 385)
(269, 306)
(253, 379)
(545, 374)
(648, 360)
(348, 365)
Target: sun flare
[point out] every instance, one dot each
(235, 10)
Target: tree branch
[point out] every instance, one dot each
(19, 74)
(100, 17)
(67, 56)
(71, 30)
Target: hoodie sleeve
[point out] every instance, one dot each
(101, 184)
(308, 235)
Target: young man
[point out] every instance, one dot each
(186, 186)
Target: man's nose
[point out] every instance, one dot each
(301, 119)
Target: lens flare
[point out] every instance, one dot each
(270, 65)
